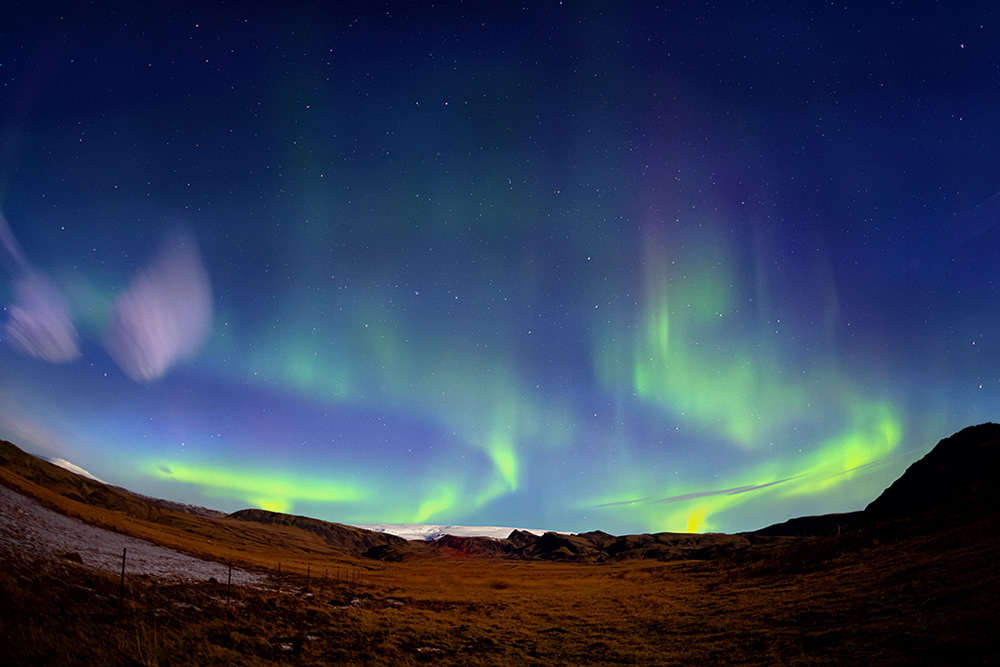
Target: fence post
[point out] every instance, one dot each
(229, 583)
(121, 586)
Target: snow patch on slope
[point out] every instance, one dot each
(72, 467)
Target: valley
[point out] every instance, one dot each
(900, 590)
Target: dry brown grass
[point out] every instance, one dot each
(891, 604)
(875, 596)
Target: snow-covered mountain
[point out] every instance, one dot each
(424, 532)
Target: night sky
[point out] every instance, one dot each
(562, 265)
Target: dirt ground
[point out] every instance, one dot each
(31, 531)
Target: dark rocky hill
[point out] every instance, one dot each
(959, 478)
(590, 547)
(955, 482)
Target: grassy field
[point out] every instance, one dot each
(917, 599)
(884, 595)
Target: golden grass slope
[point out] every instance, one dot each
(225, 539)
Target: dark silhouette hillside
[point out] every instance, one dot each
(956, 480)
(954, 483)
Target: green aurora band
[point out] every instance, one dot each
(265, 489)
(685, 360)
(694, 355)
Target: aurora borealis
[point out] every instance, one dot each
(556, 265)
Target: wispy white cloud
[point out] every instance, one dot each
(166, 313)
(39, 322)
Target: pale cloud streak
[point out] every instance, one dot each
(165, 314)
